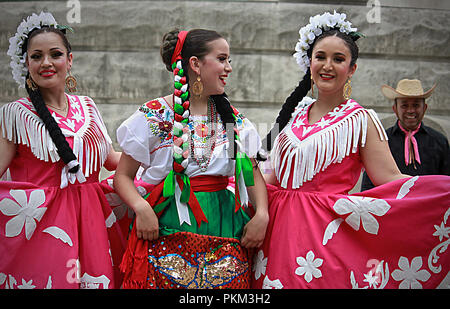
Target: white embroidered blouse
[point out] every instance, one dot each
(146, 136)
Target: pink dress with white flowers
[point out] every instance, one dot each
(56, 235)
(393, 236)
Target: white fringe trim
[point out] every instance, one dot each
(320, 150)
(91, 143)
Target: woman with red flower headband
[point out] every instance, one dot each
(191, 231)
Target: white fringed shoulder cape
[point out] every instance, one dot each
(91, 142)
(312, 148)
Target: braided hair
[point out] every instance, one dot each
(226, 114)
(195, 44)
(303, 87)
(62, 146)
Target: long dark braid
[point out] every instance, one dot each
(62, 146)
(286, 112)
(304, 86)
(226, 113)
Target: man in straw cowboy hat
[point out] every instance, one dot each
(417, 149)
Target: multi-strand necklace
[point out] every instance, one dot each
(205, 157)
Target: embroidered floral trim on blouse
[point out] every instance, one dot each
(160, 115)
(160, 119)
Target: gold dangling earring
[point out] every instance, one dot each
(312, 87)
(31, 84)
(347, 89)
(71, 83)
(197, 87)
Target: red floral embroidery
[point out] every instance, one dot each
(153, 104)
(165, 126)
(201, 130)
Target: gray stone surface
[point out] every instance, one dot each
(117, 63)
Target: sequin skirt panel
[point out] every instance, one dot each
(187, 260)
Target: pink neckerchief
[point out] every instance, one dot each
(410, 142)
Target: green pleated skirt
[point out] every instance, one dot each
(219, 209)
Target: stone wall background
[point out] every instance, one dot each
(117, 63)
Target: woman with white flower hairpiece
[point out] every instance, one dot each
(57, 229)
(319, 236)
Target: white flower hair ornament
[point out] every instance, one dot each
(19, 68)
(317, 25)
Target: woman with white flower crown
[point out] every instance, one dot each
(57, 229)
(393, 236)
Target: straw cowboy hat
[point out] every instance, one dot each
(409, 88)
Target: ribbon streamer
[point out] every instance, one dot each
(67, 176)
(243, 177)
(180, 42)
(177, 185)
(182, 207)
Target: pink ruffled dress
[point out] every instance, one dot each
(57, 230)
(393, 236)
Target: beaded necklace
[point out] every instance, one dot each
(203, 159)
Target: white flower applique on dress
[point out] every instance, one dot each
(260, 264)
(9, 282)
(410, 275)
(272, 284)
(309, 267)
(362, 209)
(24, 211)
